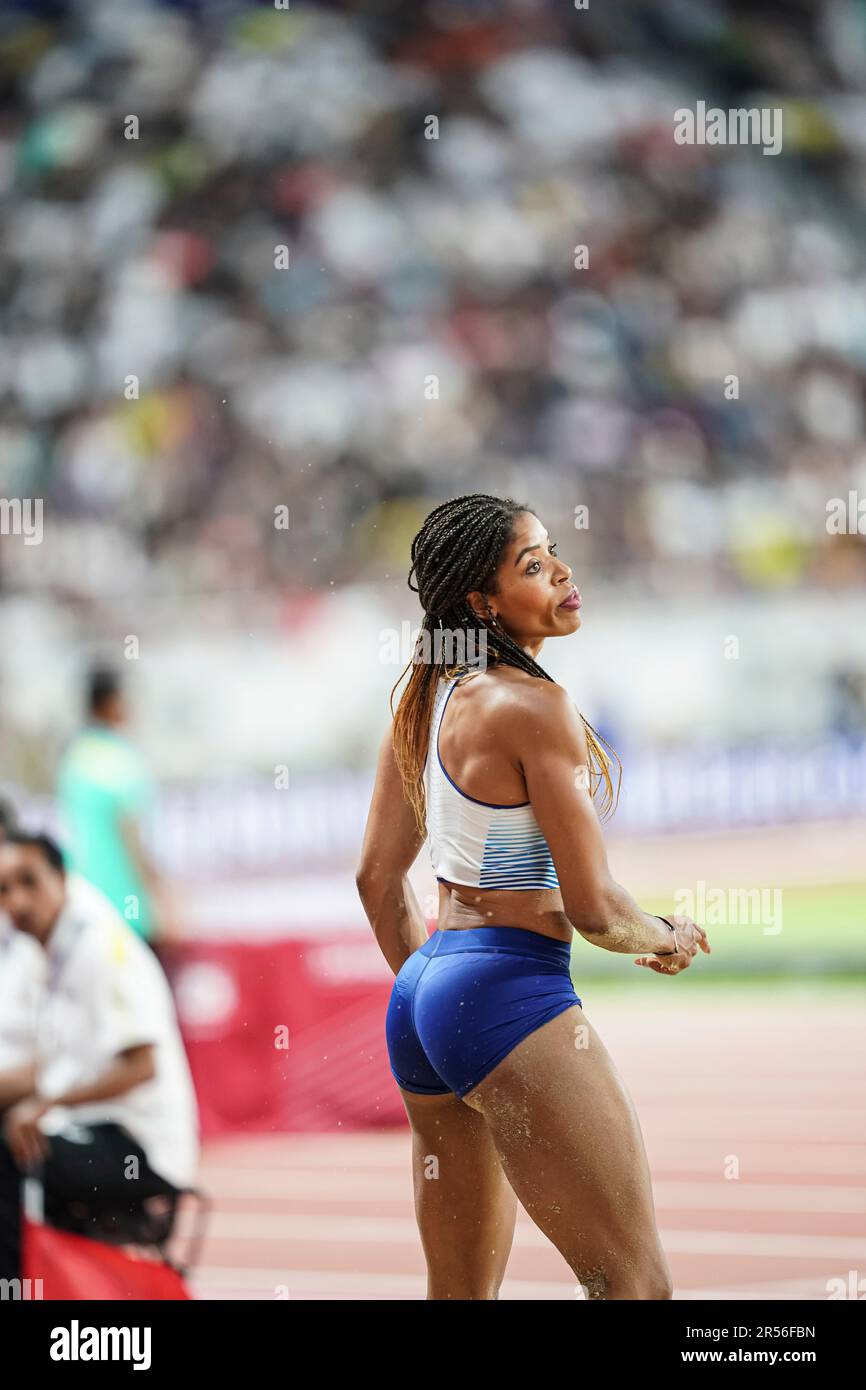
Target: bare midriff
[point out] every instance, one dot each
(533, 909)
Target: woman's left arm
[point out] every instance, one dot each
(390, 847)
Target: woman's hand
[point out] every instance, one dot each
(689, 937)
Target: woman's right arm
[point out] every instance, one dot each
(545, 735)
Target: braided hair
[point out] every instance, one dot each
(458, 550)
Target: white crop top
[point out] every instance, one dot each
(479, 843)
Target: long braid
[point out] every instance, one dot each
(457, 550)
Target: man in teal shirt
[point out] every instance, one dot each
(104, 792)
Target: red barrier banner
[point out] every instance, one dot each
(288, 1034)
(60, 1265)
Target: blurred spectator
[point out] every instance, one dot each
(7, 820)
(848, 712)
(20, 966)
(229, 290)
(104, 793)
(322, 261)
(107, 1079)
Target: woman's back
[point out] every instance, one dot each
(490, 857)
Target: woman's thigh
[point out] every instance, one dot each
(464, 1204)
(569, 1140)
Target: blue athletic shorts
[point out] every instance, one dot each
(465, 998)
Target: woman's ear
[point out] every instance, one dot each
(476, 602)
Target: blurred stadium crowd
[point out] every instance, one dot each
(411, 257)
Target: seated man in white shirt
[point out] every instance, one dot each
(21, 970)
(22, 965)
(106, 1110)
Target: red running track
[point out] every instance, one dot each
(763, 1081)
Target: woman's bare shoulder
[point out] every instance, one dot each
(527, 708)
(519, 700)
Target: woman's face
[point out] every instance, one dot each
(532, 584)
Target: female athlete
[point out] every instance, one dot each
(509, 1090)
